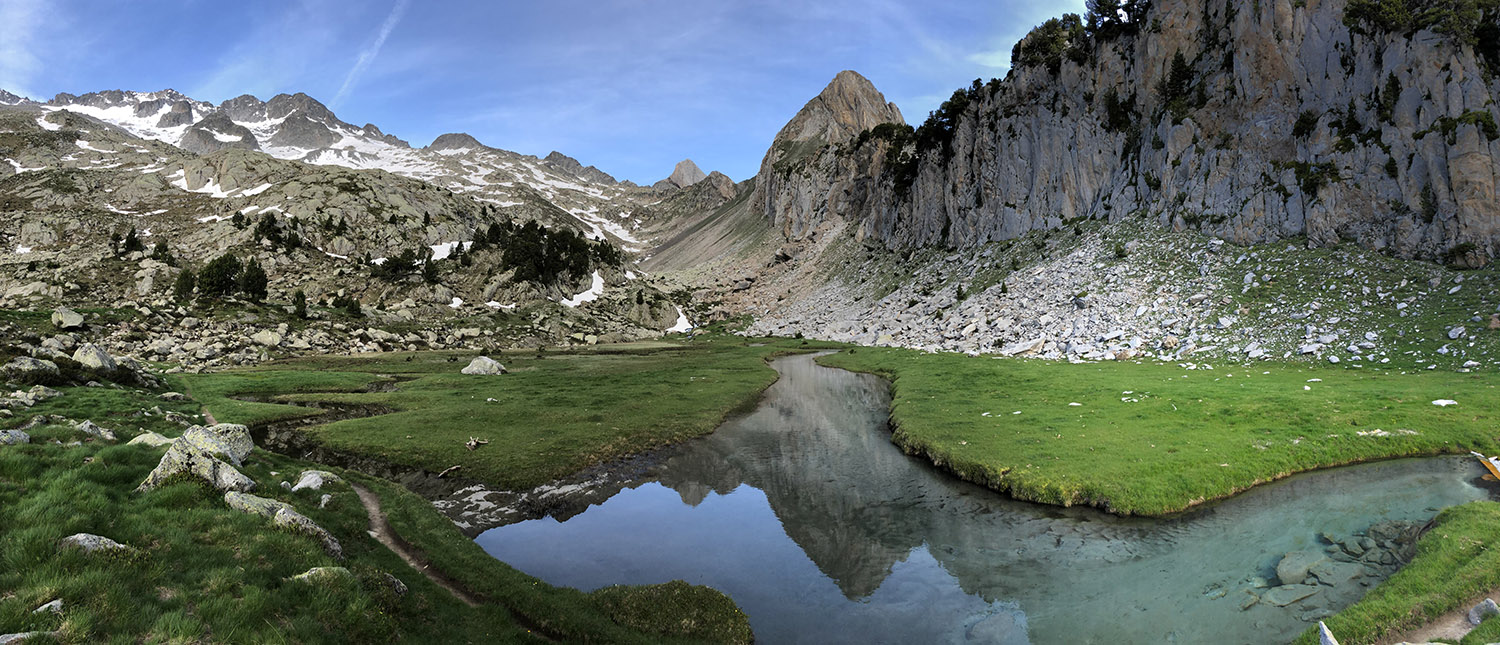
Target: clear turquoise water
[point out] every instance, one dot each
(824, 532)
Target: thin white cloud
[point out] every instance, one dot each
(998, 59)
(19, 64)
(368, 55)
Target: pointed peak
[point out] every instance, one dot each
(850, 104)
(686, 174)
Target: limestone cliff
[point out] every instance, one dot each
(1249, 121)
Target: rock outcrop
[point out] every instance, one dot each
(1251, 123)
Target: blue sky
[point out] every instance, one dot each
(631, 86)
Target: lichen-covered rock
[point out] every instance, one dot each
(185, 458)
(314, 480)
(66, 318)
(26, 367)
(288, 518)
(397, 587)
(13, 438)
(152, 439)
(91, 355)
(321, 575)
(254, 504)
(90, 543)
(94, 430)
(231, 440)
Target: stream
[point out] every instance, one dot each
(823, 531)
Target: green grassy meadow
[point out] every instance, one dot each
(552, 416)
(1153, 439)
(206, 573)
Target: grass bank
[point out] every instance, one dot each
(204, 572)
(1152, 439)
(1456, 562)
(553, 415)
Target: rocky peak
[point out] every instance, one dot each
(217, 132)
(244, 108)
(686, 174)
(848, 106)
(455, 141)
(6, 98)
(284, 104)
(370, 130)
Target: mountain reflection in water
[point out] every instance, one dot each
(822, 530)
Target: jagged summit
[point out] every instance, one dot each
(6, 98)
(686, 174)
(849, 105)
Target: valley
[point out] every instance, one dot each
(1183, 330)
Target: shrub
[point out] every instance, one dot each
(220, 277)
(299, 304)
(182, 289)
(1305, 124)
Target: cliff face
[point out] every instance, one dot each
(1285, 122)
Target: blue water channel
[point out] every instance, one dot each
(823, 531)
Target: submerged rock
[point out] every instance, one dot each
(1294, 566)
(1288, 594)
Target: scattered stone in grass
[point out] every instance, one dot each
(185, 458)
(484, 366)
(314, 480)
(56, 607)
(474, 443)
(254, 504)
(1482, 611)
(94, 430)
(323, 501)
(65, 318)
(1443, 403)
(8, 639)
(151, 439)
(231, 440)
(90, 543)
(13, 438)
(397, 587)
(173, 396)
(1455, 333)
(300, 523)
(323, 575)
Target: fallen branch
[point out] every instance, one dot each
(448, 470)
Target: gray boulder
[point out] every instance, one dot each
(1293, 568)
(485, 366)
(398, 587)
(94, 430)
(56, 607)
(24, 367)
(314, 480)
(188, 460)
(13, 438)
(1483, 610)
(90, 543)
(267, 337)
(1336, 574)
(91, 355)
(230, 440)
(66, 318)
